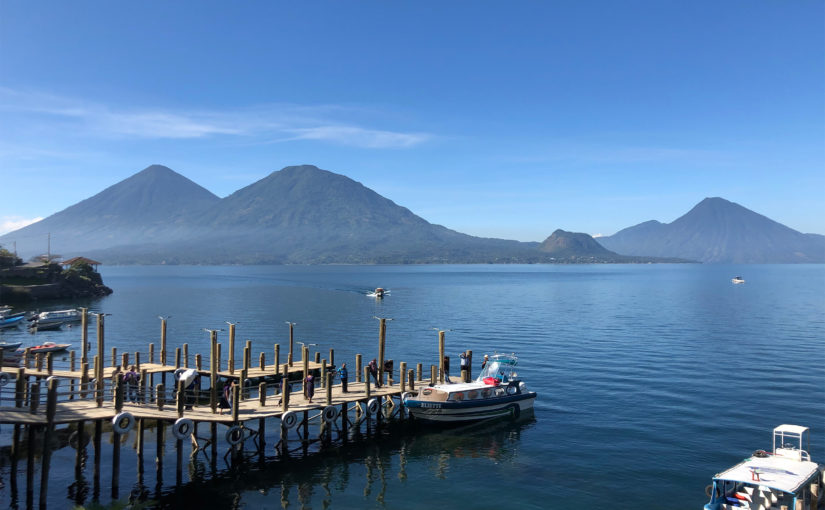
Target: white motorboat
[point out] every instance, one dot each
(497, 392)
(737, 279)
(782, 478)
(44, 318)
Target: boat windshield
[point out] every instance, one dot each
(499, 366)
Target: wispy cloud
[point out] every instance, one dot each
(271, 123)
(12, 223)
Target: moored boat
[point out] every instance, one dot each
(782, 478)
(497, 392)
(737, 279)
(48, 347)
(47, 326)
(6, 346)
(71, 315)
(10, 322)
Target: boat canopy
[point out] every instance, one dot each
(499, 366)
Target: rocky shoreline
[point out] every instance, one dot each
(50, 281)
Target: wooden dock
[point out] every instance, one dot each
(74, 390)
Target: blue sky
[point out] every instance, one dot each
(500, 119)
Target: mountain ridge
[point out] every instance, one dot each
(717, 230)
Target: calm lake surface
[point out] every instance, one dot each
(651, 378)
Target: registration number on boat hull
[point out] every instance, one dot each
(430, 405)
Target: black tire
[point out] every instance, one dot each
(515, 411)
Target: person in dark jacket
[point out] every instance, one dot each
(343, 373)
(373, 367)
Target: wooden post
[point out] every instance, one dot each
(262, 394)
(328, 387)
(51, 408)
(19, 390)
(198, 362)
(317, 356)
(114, 356)
(117, 385)
(291, 342)
(180, 399)
(382, 339)
(285, 386)
(469, 365)
(419, 369)
(100, 347)
(143, 386)
(402, 372)
(186, 355)
(331, 356)
(367, 382)
(159, 449)
(137, 361)
(177, 357)
(84, 379)
(231, 361)
(277, 359)
(411, 379)
(305, 362)
(160, 396)
(262, 361)
(163, 341)
(84, 335)
(236, 401)
(242, 385)
(323, 373)
(151, 353)
(27, 354)
(433, 375)
(357, 368)
(99, 382)
(34, 397)
(50, 363)
(213, 371)
(247, 355)
(124, 361)
(38, 361)
(140, 443)
(441, 346)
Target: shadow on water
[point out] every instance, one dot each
(362, 466)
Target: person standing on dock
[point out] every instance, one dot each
(343, 373)
(131, 378)
(464, 363)
(227, 396)
(309, 387)
(373, 366)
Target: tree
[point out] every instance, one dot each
(8, 259)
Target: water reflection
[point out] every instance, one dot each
(358, 472)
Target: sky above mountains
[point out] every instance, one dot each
(499, 120)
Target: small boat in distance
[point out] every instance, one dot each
(782, 478)
(379, 292)
(6, 346)
(497, 392)
(49, 347)
(737, 279)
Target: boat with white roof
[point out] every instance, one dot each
(497, 392)
(783, 478)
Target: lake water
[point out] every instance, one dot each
(651, 378)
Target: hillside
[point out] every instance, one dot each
(149, 206)
(719, 231)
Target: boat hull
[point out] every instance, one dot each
(460, 412)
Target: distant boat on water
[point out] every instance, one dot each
(737, 279)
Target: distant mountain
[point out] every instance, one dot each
(719, 231)
(149, 206)
(582, 248)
